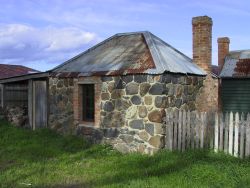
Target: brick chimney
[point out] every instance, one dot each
(223, 50)
(202, 42)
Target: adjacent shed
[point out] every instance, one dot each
(235, 82)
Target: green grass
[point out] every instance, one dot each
(45, 159)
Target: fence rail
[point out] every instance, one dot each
(197, 130)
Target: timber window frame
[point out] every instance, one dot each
(88, 102)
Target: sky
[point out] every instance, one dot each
(42, 34)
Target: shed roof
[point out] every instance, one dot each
(237, 65)
(126, 53)
(7, 71)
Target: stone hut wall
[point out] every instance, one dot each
(60, 107)
(131, 108)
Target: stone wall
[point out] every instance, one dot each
(208, 96)
(130, 109)
(133, 107)
(61, 116)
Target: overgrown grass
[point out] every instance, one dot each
(45, 159)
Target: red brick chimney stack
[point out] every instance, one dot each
(223, 50)
(202, 42)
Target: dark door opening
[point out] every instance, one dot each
(88, 102)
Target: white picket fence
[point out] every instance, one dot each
(197, 130)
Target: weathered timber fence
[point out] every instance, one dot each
(197, 130)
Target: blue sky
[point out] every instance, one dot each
(44, 33)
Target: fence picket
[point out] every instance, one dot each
(184, 126)
(179, 130)
(221, 138)
(202, 129)
(247, 152)
(216, 133)
(230, 133)
(192, 129)
(197, 130)
(226, 133)
(188, 130)
(236, 135)
(175, 129)
(242, 135)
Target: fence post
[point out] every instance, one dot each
(175, 129)
(242, 135)
(169, 129)
(184, 126)
(231, 130)
(188, 129)
(202, 129)
(226, 133)
(179, 130)
(236, 135)
(247, 152)
(197, 134)
(221, 138)
(216, 133)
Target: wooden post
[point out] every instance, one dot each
(175, 129)
(226, 133)
(231, 130)
(236, 135)
(192, 128)
(188, 129)
(247, 149)
(184, 127)
(179, 130)
(242, 135)
(216, 133)
(221, 138)
(202, 129)
(197, 130)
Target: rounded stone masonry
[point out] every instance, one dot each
(137, 124)
(132, 88)
(117, 94)
(157, 141)
(108, 106)
(156, 116)
(148, 100)
(142, 111)
(144, 87)
(140, 78)
(105, 96)
(161, 102)
(136, 100)
(149, 127)
(127, 78)
(158, 89)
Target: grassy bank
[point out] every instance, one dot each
(45, 159)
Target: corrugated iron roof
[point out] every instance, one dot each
(7, 71)
(237, 64)
(126, 53)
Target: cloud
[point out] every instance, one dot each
(20, 43)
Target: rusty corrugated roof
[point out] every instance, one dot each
(237, 65)
(127, 53)
(7, 71)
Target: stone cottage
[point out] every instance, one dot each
(117, 91)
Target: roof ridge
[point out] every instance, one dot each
(152, 48)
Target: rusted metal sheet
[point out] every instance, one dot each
(237, 64)
(129, 53)
(242, 68)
